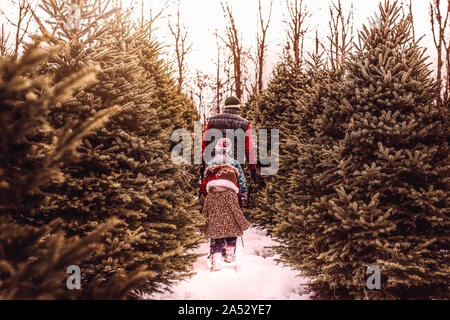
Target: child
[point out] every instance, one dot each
(225, 220)
(222, 156)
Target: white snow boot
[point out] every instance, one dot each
(216, 261)
(230, 254)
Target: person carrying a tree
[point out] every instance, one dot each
(223, 186)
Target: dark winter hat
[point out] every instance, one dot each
(232, 102)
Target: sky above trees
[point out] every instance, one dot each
(203, 18)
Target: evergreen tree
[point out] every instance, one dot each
(125, 170)
(381, 182)
(33, 260)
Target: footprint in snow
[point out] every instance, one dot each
(264, 252)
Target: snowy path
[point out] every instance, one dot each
(255, 275)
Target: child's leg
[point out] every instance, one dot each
(232, 241)
(216, 255)
(230, 250)
(218, 245)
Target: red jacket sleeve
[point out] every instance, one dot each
(249, 151)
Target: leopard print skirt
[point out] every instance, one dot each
(224, 216)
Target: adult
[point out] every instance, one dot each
(224, 124)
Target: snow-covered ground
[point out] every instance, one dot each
(254, 276)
